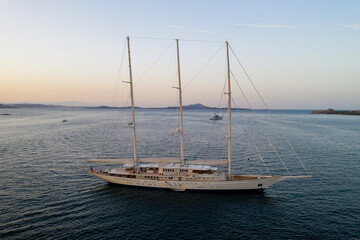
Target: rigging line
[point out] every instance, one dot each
(268, 109)
(199, 40)
(248, 77)
(111, 115)
(253, 140)
(215, 77)
(261, 126)
(225, 127)
(169, 130)
(118, 75)
(222, 95)
(175, 142)
(153, 38)
(112, 129)
(152, 65)
(166, 79)
(215, 130)
(86, 166)
(170, 39)
(225, 139)
(130, 143)
(203, 67)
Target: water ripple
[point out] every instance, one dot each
(46, 192)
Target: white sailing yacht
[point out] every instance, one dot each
(175, 174)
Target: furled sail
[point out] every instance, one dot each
(161, 160)
(208, 162)
(117, 161)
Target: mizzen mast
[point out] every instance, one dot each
(132, 102)
(180, 106)
(229, 108)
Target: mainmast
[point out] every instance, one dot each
(229, 109)
(180, 104)
(132, 103)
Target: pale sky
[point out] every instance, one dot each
(300, 54)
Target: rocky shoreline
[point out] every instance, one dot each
(332, 111)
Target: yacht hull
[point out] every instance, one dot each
(256, 184)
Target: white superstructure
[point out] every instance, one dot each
(184, 177)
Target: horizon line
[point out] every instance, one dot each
(142, 107)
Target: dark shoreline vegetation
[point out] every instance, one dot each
(332, 111)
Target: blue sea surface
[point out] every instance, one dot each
(47, 193)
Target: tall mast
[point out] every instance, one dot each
(132, 103)
(229, 109)
(180, 103)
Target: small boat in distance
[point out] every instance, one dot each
(64, 120)
(175, 173)
(216, 117)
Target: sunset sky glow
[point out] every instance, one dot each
(300, 54)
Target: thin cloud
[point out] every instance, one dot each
(352, 26)
(268, 25)
(192, 29)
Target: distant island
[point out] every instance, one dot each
(29, 105)
(197, 106)
(332, 111)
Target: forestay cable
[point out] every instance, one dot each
(261, 126)
(152, 65)
(268, 109)
(253, 141)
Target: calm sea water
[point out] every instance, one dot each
(46, 192)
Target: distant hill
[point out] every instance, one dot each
(28, 105)
(197, 106)
(71, 104)
(5, 106)
(191, 106)
(200, 106)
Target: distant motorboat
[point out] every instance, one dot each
(64, 120)
(216, 117)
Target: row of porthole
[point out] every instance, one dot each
(153, 177)
(156, 177)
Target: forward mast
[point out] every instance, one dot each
(229, 108)
(132, 103)
(180, 106)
